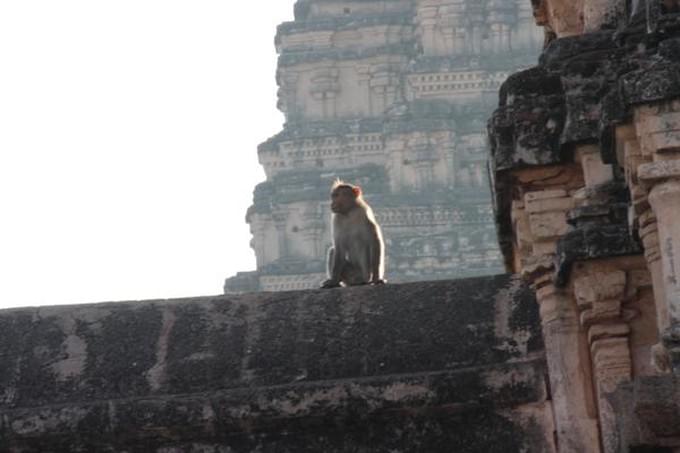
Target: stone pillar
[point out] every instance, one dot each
(257, 243)
(325, 88)
(459, 41)
(287, 93)
(569, 367)
(644, 221)
(665, 201)
(383, 84)
(455, 27)
(281, 223)
(313, 230)
(477, 23)
(427, 21)
(540, 219)
(658, 129)
(501, 16)
(599, 293)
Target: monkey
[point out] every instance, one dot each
(357, 255)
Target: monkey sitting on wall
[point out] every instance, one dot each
(357, 256)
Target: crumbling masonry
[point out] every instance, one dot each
(586, 161)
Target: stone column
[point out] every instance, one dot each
(665, 201)
(476, 24)
(313, 231)
(501, 16)
(427, 21)
(658, 129)
(325, 88)
(383, 84)
(644, 221)
(287, 93)
(540, 220)
(599, 293)
(455, 29)
(281, 223)
(569, 367)
(257, 243)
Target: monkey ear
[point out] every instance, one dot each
(356, 190)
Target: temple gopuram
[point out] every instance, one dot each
(393, 96)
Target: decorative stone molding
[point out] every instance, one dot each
(540, 202)
(658, 129)
(600, 294)
(601, 251)
(569, 369)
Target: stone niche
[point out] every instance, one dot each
(585, 156)
(436, 367)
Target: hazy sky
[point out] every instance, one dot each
(128, 135)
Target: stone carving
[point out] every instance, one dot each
(585, 163)
(393, 96)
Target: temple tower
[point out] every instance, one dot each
(392, 95)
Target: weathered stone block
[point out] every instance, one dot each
(548, 225)
(430, 366)
(599, 286)
(660, 170)
(550, 205)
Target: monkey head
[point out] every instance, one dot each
(344, 197)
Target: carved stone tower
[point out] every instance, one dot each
(392, 95)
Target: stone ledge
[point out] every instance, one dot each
(267, 409)
(435, 364)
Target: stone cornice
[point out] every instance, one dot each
(287, 59)
(315, 129)
(343, 23)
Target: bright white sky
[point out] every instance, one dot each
(128, 135)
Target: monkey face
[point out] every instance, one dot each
(343, 199)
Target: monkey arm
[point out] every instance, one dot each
(335, 267)
(337, 264)
(377, 254)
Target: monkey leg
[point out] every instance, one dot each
(357, 271)
(343, 272)
(353, 275)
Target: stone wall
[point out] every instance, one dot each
(585, 154)
(435, 367)
(394, 96)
